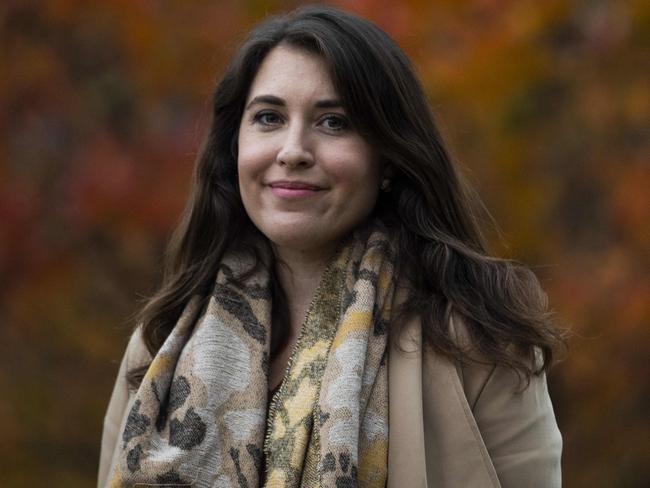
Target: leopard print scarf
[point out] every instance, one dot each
(199, 417)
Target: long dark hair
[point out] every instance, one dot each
(441, 252)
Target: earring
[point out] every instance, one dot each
(385, 185)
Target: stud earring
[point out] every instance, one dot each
(385, 185)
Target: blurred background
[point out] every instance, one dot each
(546, 105)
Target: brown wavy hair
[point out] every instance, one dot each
(441, 252)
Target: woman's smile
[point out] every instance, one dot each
(294, 190)
(307, 178)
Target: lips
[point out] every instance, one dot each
(294, 190)
(294, 185)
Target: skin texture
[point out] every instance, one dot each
(300, 137)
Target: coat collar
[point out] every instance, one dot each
(433, 437)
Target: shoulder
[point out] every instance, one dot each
(473, 374)
(479, 372)
(517, 421)
(136, 354)
(515, 427)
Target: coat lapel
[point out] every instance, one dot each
(406, 443)
(433, 437)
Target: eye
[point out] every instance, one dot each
(267, 117)
(334, 122)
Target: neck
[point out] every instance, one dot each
(299, 274)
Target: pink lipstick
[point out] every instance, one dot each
(293, 189)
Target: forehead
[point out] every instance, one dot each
(293, 71)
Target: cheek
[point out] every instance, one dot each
(251, 155)
(358, 180)
(368, 176)
(246, 174)
(250, 172)
(358, 169)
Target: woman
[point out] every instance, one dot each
(329, 314)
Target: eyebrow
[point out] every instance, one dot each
(273, 100)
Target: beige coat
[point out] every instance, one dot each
(450, 426)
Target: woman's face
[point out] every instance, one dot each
(306, 177)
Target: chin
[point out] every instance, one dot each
(306, 240)
(296, 241)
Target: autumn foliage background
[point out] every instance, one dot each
(546, 105)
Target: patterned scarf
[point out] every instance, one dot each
(199, 416)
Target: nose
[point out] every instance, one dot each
(296, 150)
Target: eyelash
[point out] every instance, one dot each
(343, 121)
(260, 116)
(339, 119)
